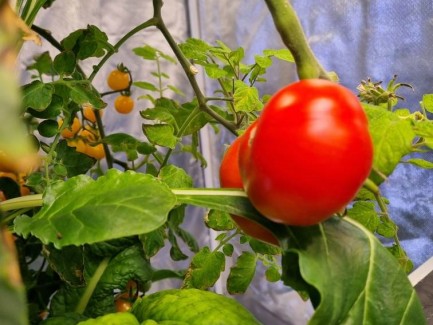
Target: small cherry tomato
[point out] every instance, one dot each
(95, 151)
(72, 130)
(123, 302)
(308, 154)
(118, 80)
(123, 104)
(89, 113)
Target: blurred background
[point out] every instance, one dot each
(374, 39)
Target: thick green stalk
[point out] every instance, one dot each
(91, 286)
(288, 25)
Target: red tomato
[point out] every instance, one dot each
(231, 178)
(309, 153)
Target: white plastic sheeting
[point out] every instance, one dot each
(357, 39)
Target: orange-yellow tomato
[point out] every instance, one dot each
(96, 151)
(118, 80)
(72, 130)
(124, 104)
(89, 113)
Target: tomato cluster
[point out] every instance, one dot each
(306, 156)
(84, 138)
(120, 80)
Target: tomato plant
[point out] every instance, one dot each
(309, 153)
(124, 104)
(99, 214)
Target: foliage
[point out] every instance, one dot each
(93, 224)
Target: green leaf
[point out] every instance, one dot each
(120, 318)
(246, 98)
(365, 213)
(427, 102)
(84, 93)
(402, 258)
(37, 95)
(392, 139)
(145, 85)
(387, 228)
(219, 220)
(82, 210)
(122, 142)
(282, 54)
(263, 61)
(52, 111)
(86, 43)
(76, 163)
(161, 135)
(349, 276)
(153, 241)
(128, 264)
(236, 56)
(420, 163)
(205, 269)
(228, 249)
(175, 177)
(67, 263)
(272, 274)
(176, 90)
(214, 71)
(263, 248)
(192, 307)
(242, 273)
(195, 49)
(43, 64)
(65, 62)
(148, 52)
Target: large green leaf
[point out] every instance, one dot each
(192, 306)
(82, 210)
(350, 276)
(392, 139)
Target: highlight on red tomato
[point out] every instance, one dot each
(309, 153)
(230, 178)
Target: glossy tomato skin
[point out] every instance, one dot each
(309, 153)
(230, 178)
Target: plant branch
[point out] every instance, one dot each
(289, 27)
(189, 69)
(149, 23)
(91, 286)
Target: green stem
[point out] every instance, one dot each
(149, 23)
(371, 186)
(289, 27)
(91, 286)
(23, 202)
(13, 215)
(188, 68)
(226, 240)
(385, 214)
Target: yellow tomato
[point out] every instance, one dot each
(118, 80)
(123, 104)
(72, 130)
